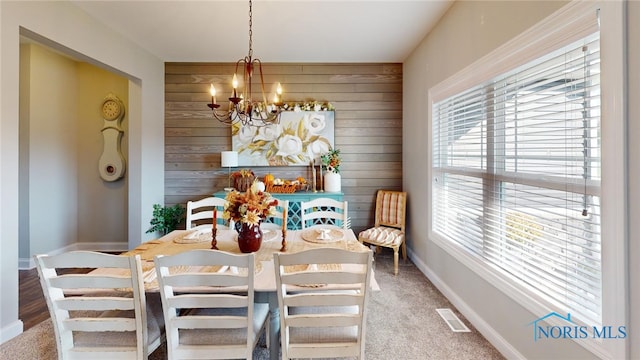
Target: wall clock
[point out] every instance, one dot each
(112, 109)
(112, 163)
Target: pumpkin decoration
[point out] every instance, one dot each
(268, 179)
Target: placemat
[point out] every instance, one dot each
(312, 235)
(312, 267)
(194, 237)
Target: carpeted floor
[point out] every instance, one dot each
(402, 323)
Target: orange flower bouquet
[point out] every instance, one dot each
(250, 207)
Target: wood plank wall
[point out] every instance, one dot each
(368, 127)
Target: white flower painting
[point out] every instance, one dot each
(299, 138)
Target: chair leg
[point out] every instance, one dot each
(395, 260)
(404, 250)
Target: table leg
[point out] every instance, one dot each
(274, 321)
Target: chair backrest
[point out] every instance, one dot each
(200, 213)
(276, 221)
(322, 296)
(391, 209)
(325, 212)
(110, 320)
(190, 306)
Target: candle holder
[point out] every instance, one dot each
(284, 240)
(313, 176)
(214, 240)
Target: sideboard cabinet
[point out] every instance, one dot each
(293, 214)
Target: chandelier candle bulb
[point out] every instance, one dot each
(234, 83)
(212, 90)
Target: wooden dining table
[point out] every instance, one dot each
(264, 281)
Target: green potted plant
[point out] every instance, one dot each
(165, 218)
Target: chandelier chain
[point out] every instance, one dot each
(243, 109)
(250, 29)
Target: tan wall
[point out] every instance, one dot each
(65, 201)
(368, 127)
(108, 222)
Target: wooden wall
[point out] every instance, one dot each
(368, 127)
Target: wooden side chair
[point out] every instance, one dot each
(322, 297)
(389, 227)
(111, 323)
(200, 213)
(204, 324)
(324, 212)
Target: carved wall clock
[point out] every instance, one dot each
(112, 163)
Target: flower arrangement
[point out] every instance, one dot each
(308, 106)
(250, 207)
(331, 161)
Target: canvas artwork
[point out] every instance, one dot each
(299, 138)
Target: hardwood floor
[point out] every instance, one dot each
(32, 307)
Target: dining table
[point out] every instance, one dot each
(179, 241)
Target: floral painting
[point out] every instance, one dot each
(299, 138)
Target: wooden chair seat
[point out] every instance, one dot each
(90, 341)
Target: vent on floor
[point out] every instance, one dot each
(452, 320)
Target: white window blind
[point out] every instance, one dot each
(516, 176)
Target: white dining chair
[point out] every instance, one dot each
(322, 297)
(325, 212)
(210, 315)
(200, 213)
(276, 221)
(111, 320)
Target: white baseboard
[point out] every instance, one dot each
(29, 263)
(12, 330)
(500, 343)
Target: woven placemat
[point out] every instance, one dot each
(311, 267)
(312, 235)
(307, 267)
(194, 237)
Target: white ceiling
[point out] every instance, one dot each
(320, 31)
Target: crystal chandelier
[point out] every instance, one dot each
(242, 107)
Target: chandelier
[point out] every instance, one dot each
(243, 108)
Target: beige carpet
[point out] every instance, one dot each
(402, 324)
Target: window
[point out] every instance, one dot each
(516, 176)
